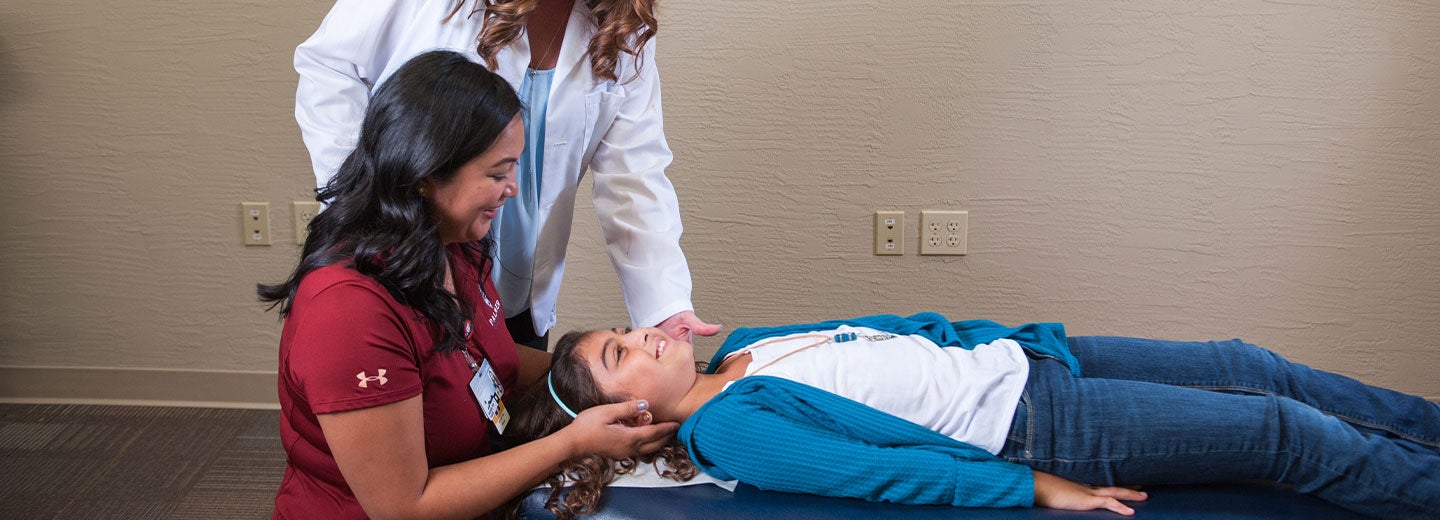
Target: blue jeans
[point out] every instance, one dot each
(1159, 412)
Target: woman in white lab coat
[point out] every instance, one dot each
(585, 70)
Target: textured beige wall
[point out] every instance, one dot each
(1263, 170)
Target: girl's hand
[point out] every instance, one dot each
(1057, 493)
(618, 431)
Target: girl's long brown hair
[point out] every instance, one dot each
(535, 414)
(623, 26)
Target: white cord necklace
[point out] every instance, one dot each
(842, 337)
(548, 46)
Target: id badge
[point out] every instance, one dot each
(489, 394)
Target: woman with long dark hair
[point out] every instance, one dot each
(395, 362)
(586, 72)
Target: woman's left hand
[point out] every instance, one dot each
(1057, 493)
(619, 430)
(683, 323)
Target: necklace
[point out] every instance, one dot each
(842, 337)
(550, 45)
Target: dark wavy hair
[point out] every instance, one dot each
(622, 26)
(535, 414)
(435, 113)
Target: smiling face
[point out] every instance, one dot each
(641, 364)
(468, 202)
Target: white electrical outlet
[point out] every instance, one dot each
(255, 223)
(303, 212)
(889, 232)
(944, 232)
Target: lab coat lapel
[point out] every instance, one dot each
(511, 60)
(578, 32)
(515, 58)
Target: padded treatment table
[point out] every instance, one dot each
(707, 501)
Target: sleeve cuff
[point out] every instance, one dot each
(651, 318)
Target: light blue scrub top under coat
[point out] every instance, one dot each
(516, 231)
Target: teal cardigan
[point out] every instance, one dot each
(780, 435)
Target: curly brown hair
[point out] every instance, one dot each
(535, 414)
(623, 26)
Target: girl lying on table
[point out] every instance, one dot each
(920, 410)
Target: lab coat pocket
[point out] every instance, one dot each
(601, 109)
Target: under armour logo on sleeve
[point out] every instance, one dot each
(364, 381)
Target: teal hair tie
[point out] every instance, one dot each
(551, 383)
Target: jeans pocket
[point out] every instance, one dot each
(1022, 431)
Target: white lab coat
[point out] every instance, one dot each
(611, 128)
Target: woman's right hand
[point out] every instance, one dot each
(618, 431)
(1057, 493)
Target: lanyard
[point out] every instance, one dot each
(465, 348)
(470, 360)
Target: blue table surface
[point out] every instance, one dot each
(1218, 501)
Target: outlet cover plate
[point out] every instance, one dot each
(944, 232)
(303, 212)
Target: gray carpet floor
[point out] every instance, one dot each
(137, 462)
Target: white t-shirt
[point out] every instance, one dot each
(968, 395)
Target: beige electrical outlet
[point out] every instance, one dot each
(944, 232)
(255, 223)
(889, 232)
(303, 212)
